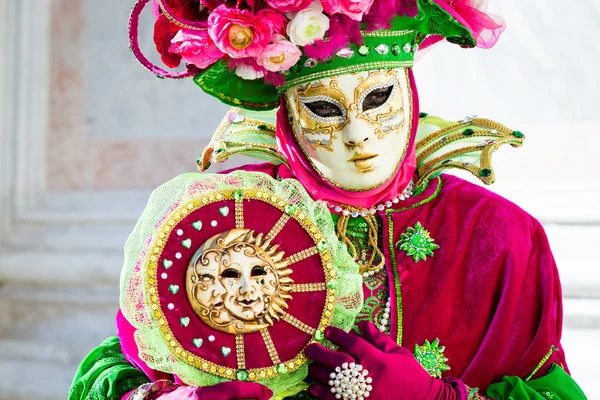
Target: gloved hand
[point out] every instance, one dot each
(234, 390)
(394, 372)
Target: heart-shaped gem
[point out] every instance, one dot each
(167, 263)
(224, 211)
(197, 225)
(197, 342)
(173, 289)
(187, 243)
(184, 321)
(225, 350)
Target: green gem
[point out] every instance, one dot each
(224, 211)
(468, 132)
(263, 127)
(174, 289)
(167, 263)
(238, 195)
(184, 321)
(518, 134)
(332, 284)
(199, 159)
(220, 150)
(423, 115)
(197, 342)
(322, 245)
(319, 335)
(197, 225)
(281, 369)
(290, 209)
(225, 351)
(431, 357)
(486, 172)
(241, 375)
(417, 242)
(160, 77)
(396, 49)
(187, 243)
(363, 50)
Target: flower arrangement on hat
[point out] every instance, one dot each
(265, 39)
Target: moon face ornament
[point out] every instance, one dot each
(238, 282)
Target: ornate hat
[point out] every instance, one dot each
(231, 276)
(247, 52)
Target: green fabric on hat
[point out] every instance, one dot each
(220, 82)
(555, 385)
(105, 374)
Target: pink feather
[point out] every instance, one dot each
(342, 31)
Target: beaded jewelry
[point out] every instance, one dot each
(351, 381)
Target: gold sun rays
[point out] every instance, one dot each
(240, 352)
(278, 226)
(308, 287)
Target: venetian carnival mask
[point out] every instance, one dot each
(238, 282)
(355, 128)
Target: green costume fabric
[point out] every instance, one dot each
(555, 385)
(105, 374)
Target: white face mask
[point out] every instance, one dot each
(355, 128)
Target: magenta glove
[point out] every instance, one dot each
(393, 372)
(234, 390)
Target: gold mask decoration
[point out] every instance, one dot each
(354, 129)
(238, 282)
(388, 116)
(319, 131)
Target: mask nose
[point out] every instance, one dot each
(357, 132)
(218, 289)
(245, 286)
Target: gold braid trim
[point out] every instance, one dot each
(372, 240)
(342, 225)
(373, 243)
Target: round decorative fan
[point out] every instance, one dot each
(239, 277)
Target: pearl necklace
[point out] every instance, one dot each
(406, 194)
(385, 318)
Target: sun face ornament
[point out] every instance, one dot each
(239, 273)
(238, 282)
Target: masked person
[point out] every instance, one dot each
(459, 295)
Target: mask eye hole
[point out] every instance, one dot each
(230, 273)
(377, 98)
(324, 109)
(257, 270)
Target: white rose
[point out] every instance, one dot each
(248, 73)
(308, 25)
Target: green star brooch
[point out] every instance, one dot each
(431, 357)
(417, 243)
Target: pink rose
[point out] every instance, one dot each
(352, 8)
(289, 5)
(238, 33)
(279, 56)
(276, 20)
(196, 47)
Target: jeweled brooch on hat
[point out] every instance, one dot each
(239, 273)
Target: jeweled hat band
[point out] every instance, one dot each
(381, 49)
